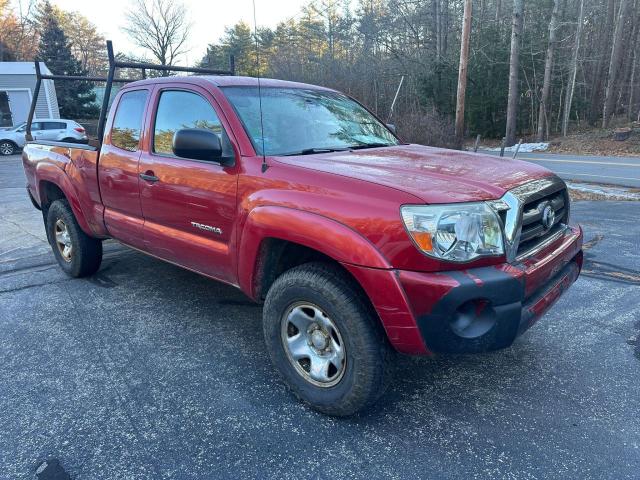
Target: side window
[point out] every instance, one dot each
(54, 126)
(125, 132)
(36, 126)
(179, 109)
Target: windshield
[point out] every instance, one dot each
(299, 121)
(16, 128)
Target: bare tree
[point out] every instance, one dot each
(159, 26)
(18, 38)
(602, 50)
(543, 125)
(462, 71)
(574, 68)
(512, 103)
(614, 63)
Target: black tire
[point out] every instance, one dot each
(369, 357)
(85, 255)
(7, 147)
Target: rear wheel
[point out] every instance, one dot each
(7, 147)
(77, 253)
(325, 339)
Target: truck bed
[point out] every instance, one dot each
(73, 168)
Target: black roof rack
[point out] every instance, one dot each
(110, 79)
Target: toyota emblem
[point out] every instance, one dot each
(548, 216)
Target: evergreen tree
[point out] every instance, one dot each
(237, 41)
(74, 97)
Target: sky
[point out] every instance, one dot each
(209, 18)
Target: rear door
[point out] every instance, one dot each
(189, 206)
(118, 168)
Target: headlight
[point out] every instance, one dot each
(457, 232)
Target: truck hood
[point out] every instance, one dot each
(435, 175)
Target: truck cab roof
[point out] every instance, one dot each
(227, 81)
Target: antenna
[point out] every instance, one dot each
(255, 34)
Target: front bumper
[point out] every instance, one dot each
(472, 310)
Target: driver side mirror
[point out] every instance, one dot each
(392, 127)
(199, 144)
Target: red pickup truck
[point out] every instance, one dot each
(359, 245)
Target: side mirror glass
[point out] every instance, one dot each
(392, 127)
(198, 144)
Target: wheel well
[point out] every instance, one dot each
(277, 256)
(49, 193)
(10, 141)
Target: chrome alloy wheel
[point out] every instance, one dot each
(313, 344)
(63, 240)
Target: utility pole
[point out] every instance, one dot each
(512, 104)
(462, 71)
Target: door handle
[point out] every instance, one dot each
(148, 177)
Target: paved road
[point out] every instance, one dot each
(624, 171)
(148, 371)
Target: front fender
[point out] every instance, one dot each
(48, 172)
(311, 230)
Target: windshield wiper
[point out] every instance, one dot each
(370, 145)
(310, 151)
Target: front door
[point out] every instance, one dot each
(189, 206)
(37, 130)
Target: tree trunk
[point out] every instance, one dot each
(631, 84)
(614, 64)
(628, 60)
(438, 29)
(574, 68)
(512, 104)
(462, 71)
(548, 67)
(599, 72)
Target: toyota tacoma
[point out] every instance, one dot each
(358, 245)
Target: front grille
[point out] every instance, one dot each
(535, 196)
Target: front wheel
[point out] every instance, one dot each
(78, 254)
(7, 147)
(325, 339)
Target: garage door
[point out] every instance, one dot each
(19, 102)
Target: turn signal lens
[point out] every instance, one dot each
(423, 240)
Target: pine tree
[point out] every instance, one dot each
(239, 42)
(74, 97)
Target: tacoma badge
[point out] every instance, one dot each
(208, 228)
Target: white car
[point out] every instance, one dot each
(12, 139)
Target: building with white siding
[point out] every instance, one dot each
(17, 83)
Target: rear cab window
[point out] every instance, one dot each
(127, 123)
(178, 109)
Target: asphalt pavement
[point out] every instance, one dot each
(623, 171)
(148, 371)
